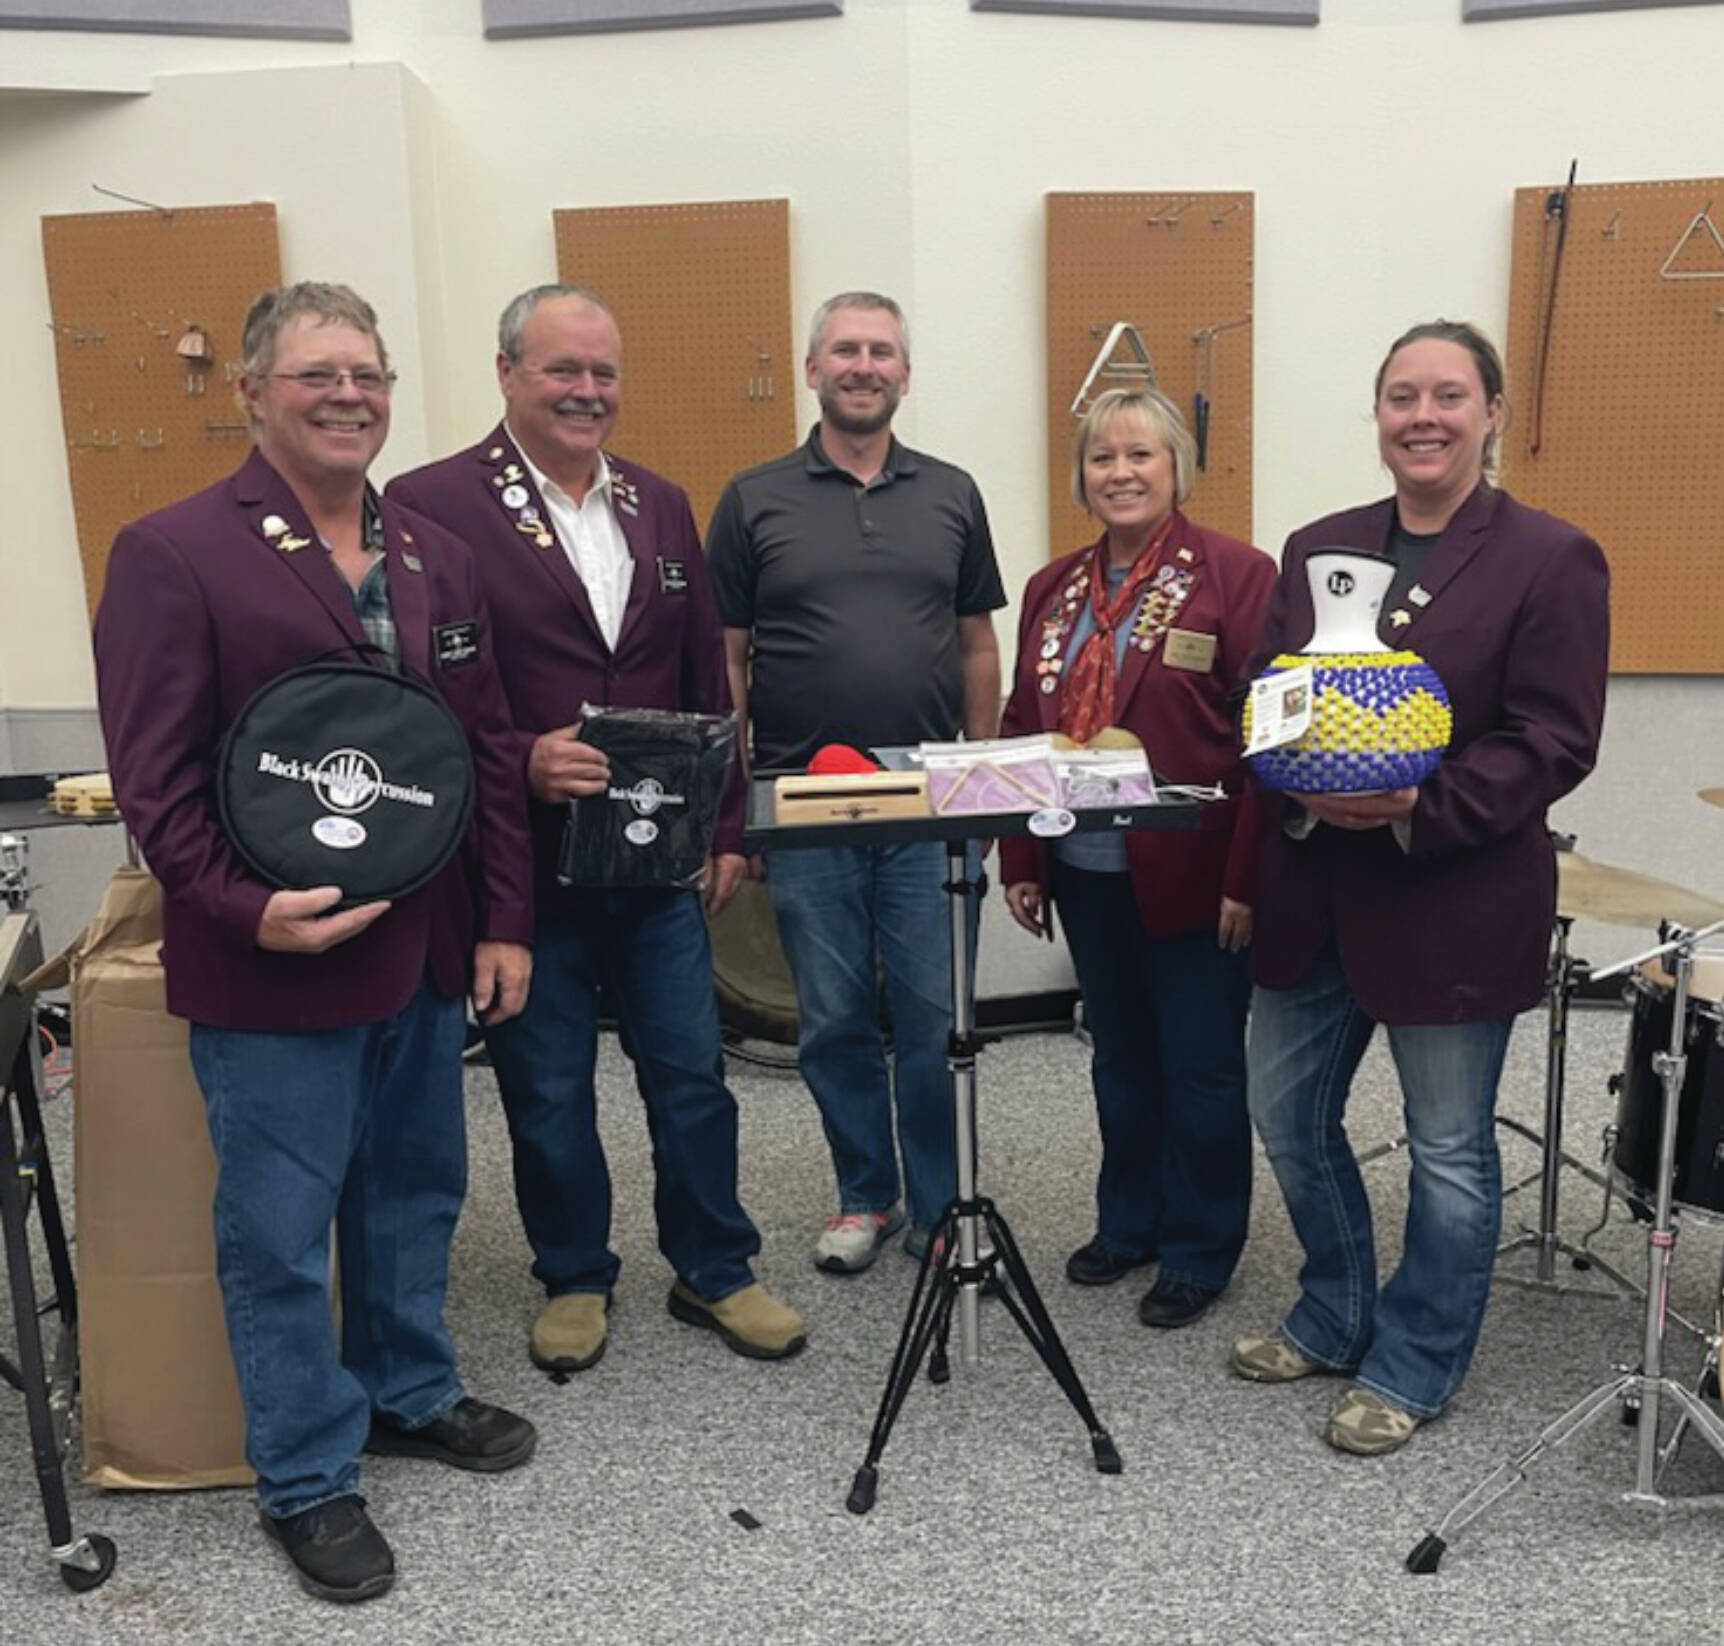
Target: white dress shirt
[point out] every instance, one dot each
(593, 541)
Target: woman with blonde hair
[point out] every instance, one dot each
(1150, 628)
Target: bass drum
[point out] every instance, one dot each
(756, 998)
(1698, 1181)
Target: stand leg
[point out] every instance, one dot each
(1427, 1554)
(84, 1562)
(1028, 1310)
(928, 1314)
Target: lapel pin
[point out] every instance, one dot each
(411, 562)
(273, 525)
(1399, 619)
(1185, 554)
(495, 454)
(292, 545)
(1419, 596)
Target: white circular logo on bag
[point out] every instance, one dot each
(646, 797)
(1051, 822)
(341, 833)
(347, 780)
(642, 832)
(1340, 583)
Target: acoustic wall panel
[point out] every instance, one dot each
(270, 19)
(507, 19)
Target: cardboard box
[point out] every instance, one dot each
(161, 1403)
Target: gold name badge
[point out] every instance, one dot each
(1186, 649)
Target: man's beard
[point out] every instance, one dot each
(848, 422)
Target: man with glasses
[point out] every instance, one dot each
(594, 574)
(326, 1040)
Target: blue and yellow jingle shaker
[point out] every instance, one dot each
(1380, 719)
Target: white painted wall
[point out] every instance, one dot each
(915, 140)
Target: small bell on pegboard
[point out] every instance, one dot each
(194, 348)
(1379, 718)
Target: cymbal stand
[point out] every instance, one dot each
(957, 1267)
(1647, 1387)
(1565, 973)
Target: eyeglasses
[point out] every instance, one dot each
(321, 379)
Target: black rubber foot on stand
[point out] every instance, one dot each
(1106, 1453)
(81, 1581)
(1427, 1554)
(939, 1367)
(862, 1488)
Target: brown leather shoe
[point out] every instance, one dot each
(571, 1332)
(753, 1322)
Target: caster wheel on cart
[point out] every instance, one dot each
(81, 1579)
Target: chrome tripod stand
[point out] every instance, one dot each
(957, 1266)
(1565, 974)
(1647, 1387)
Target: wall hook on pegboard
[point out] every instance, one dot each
(133, 200)
(1700, 222)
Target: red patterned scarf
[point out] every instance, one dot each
(1087, 689)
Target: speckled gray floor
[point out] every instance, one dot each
(1232, 1523)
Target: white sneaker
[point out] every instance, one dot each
(852, 1240)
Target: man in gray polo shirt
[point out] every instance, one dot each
(856, 579)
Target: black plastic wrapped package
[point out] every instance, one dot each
(653, 825)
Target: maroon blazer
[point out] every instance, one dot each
(670, 649)
(1185, 719)
(1456, 929)
(198, 611)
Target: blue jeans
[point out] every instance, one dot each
(363, 1126)
(1167, 1018)
(1413, 1340)
(845, 916)
(651, 950)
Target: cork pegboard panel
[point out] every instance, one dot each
(145, 423)
(1178, 268)
(702, 294)
(1630, 430)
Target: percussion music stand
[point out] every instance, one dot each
(48, 1383)
(1641, 1389)
(956, 1268)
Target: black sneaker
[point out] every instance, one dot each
(335, 1548)
(1099, 1265)
(470, 1435)
(1175, 1303)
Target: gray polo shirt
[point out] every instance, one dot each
(853, 594)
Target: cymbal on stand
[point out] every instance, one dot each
(1590, 890)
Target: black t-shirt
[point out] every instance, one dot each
(852, 594)
(1408, 550)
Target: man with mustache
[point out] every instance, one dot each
(326, 1041)
(857, 582)
(599, 594)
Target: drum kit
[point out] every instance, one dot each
(1664, 1151)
